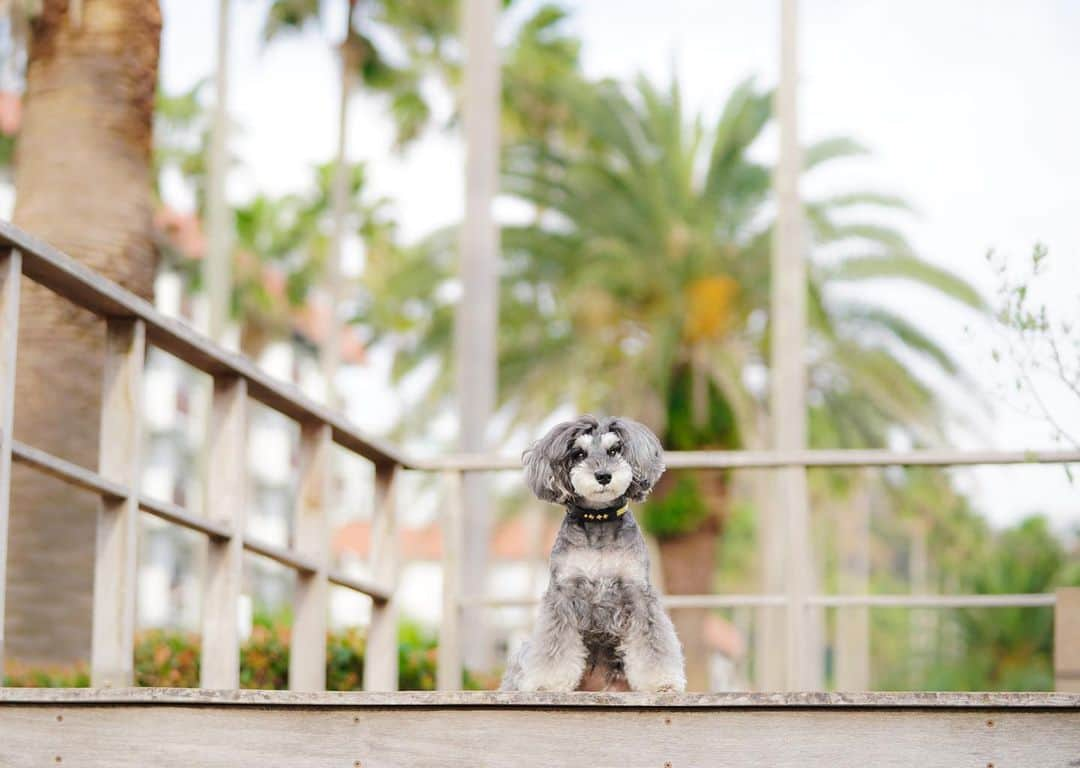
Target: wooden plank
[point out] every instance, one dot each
(381, 653)
(282, 555)
(177, 515)
(1067, 640)
(60, 273)
(119, 454)
(450, 672)
(226, 503)
(68, 471)
(374, 737)
(307, 658)
(851, 525)
(11, 275)
(197, 697)
(380, 593)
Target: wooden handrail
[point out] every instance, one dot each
(63, 275)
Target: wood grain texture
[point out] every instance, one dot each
(167, 735)
(226, 484)
(307, 659)
(381, 652)
(450, 671)
(119, 454)
(11, 277)
(474, 699)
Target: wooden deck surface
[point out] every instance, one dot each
(125, 728)
(452, 699)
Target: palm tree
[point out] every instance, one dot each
(419, 29)
(83, 171)
(644, 288)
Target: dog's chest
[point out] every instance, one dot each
(599, 564)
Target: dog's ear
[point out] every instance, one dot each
(542, 461)
(642, 450)
(547, 471)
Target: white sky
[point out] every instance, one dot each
(968, 105)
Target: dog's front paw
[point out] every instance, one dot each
(673, 681)
(556, 681)
(561, 676)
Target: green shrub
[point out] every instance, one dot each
(170, 658)
(17, 675)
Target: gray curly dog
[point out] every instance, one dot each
(601, 625)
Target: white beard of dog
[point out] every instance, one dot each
(600, 619)
(593, 493)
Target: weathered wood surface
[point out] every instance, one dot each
(307, 659)
(226, 505)
(593, 730)
(468, 699)
(381, 652)
(119, 459)
(450, 669)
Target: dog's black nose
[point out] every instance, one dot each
(603, 478)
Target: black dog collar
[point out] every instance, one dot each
(604, 515)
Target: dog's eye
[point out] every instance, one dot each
(578, 455)
(614, 450)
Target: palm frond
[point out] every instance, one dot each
(910, 268)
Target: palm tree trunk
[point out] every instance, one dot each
(83, 184)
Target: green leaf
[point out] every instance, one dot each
(909, 268)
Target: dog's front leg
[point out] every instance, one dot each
(652, 655)
(555, 657)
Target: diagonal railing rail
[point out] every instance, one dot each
(132, 324)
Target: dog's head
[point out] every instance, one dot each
(594, 462)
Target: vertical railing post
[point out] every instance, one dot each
(788, 387)
(111, 657)
(307, 657)
(1067, 640)
(853, 578)
(381, 653)
(450, 672)
(226, 502)
(11, 275)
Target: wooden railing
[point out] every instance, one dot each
(132, 324)
(1066, 602)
